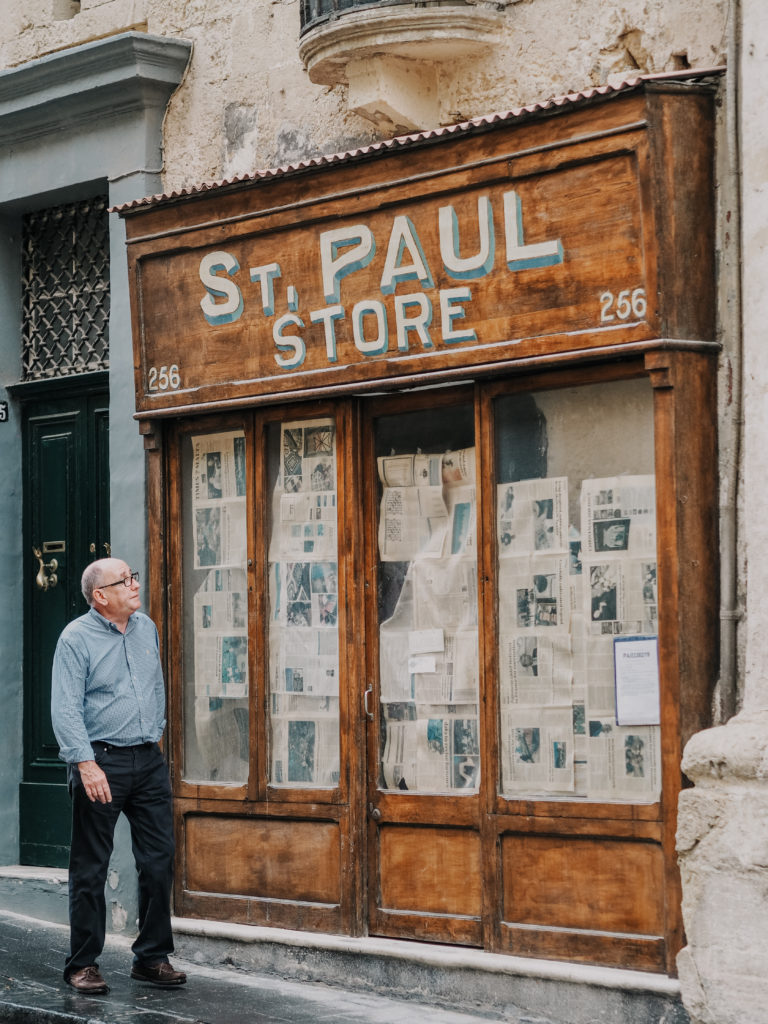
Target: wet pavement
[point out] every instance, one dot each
(32, 991)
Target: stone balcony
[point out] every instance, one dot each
(389, 52)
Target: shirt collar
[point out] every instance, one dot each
(108, 624)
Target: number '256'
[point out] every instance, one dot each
(628, 303)
(165, 379)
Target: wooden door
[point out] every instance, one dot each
(508, 803)
(263, 764)
(422, 703)
(66, 502)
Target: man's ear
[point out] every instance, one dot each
(98, 598)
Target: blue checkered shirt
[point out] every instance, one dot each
(106, 685)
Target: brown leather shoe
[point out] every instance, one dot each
(88, 980)
(161, 974)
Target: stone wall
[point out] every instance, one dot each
(247, 102)
(723, 845)
(723, 820)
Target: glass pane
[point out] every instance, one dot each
(427, 602)
(303, 621)
(215, 608)
(576, 528)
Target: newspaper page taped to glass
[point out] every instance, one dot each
(538, 754)
(568, 591)
(436, 753)
(218, 499)
(219, 605)
(624, 761)
(304, 609)
(428, 647)
(221, 635)
(532, 515)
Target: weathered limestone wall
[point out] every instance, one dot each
(723, 844)
(723, 821)
(247, 102)
(753, 74)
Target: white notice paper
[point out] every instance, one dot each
(636, 662)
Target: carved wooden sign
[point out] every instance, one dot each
(541, 250)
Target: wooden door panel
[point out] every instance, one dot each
(430, 870)
(54, 480)
(52, 448)
(273, 859)
(98, 472)
(570, 882)
(66, 510)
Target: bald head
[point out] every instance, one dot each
(98, 572)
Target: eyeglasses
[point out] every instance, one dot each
(133, 575)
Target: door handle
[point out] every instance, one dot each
(46, 573)
(374, 812)
(366, 695)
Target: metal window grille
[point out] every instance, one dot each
(65, 290)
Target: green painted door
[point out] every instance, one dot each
(66, 520)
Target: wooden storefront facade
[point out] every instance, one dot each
(430, 437)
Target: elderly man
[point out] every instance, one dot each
(108, 713)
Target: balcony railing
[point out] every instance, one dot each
(318, 12)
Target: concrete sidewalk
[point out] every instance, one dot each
(241, 974)
(33, 991)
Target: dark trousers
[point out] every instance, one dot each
(138, 779)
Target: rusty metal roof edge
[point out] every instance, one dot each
(484, 121)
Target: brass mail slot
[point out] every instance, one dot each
(49, 546)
